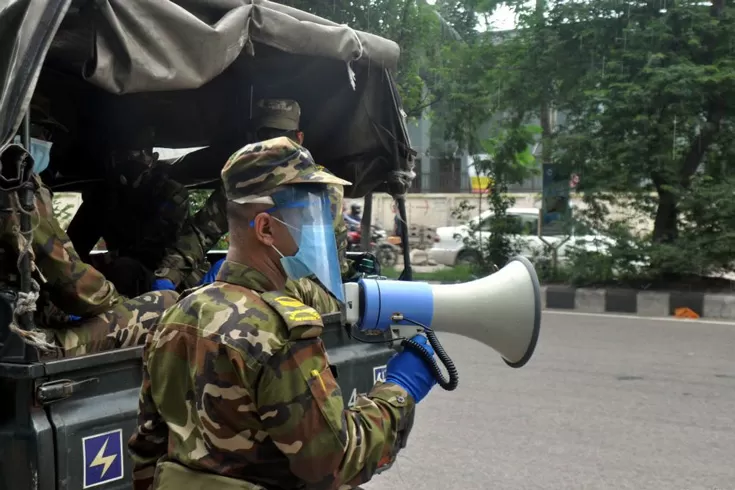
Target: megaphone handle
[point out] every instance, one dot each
(443, 357)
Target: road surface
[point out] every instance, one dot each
(606, 403)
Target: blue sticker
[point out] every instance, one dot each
(379, 373)
(103, 458)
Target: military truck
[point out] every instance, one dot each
(188, 72)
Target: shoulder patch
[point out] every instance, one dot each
(302, 321)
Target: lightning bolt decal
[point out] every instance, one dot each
(101, 459)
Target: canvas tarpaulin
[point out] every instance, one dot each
(188, 72)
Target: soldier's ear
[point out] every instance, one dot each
(300, 137)
(264, 228)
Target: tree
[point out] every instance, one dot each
(647, 94)
(509, 161)
(412, 24)
(652, 110)
(491, 107)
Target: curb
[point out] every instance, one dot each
(635, 302)
(641, 303)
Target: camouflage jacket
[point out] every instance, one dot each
(136, 221)
(67, 283)
(312, 294)
(185, 263)
(237, 385)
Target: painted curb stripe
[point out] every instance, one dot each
(634, 302)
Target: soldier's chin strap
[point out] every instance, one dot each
(16, 168)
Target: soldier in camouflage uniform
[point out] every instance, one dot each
(67, 286)
(138, 212)
(185, 263)
(237, 390)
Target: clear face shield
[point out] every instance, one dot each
(305, 210)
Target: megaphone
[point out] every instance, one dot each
(502, 310)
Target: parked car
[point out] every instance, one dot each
(450, 250)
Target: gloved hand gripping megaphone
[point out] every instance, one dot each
(502, 310)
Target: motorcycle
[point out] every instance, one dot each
(385, 252)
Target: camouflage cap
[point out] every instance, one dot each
(283, 114)
(258, 169)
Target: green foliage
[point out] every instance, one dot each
(651, 113)
(706, 226)
(646, 91)
(480, 255)
(197, 198)
(412, 24)
(508, 161)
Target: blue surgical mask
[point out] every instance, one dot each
(305, 210)
(40, 151)
(312, 258)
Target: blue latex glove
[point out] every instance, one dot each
(163, 284)
(411, 372)
(212, 273)
(74, 318)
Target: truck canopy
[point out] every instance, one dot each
(130, 74)
(186, 73)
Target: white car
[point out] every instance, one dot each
(451, 251)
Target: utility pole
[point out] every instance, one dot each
(366, 223)
(545, 115)
(552, 189)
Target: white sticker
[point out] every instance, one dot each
(379, 373)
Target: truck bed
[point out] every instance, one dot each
(64, 424)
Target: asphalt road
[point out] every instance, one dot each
(606, 403)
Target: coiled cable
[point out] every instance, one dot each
(453, 381)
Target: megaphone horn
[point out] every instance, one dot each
(502, 310)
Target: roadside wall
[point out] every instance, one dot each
(432, 210)
(435, 210)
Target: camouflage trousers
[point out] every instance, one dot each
(170, 475)
(125, 325)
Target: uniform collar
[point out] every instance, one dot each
(243, 275)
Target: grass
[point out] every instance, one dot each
(461, 273)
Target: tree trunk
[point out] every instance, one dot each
(665, 229)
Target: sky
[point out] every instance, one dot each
(503, 19)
